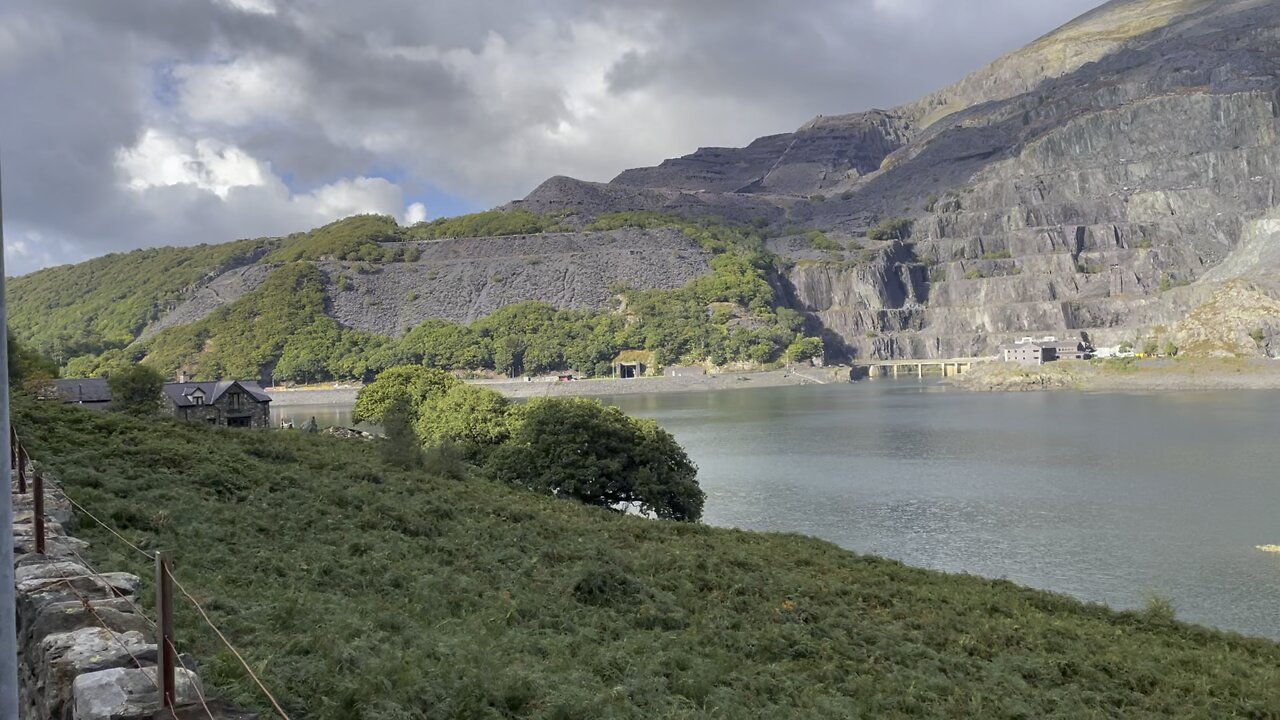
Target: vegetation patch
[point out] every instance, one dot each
(429, 597)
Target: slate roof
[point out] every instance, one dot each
(84, 390)
(180, 393)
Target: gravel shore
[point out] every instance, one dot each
(346, 395)
(1182, 375)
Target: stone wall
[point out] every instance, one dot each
(85, 650)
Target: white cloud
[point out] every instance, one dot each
(256, 7)
(351, 197)
(243, 90)
(415, 214)
(160, 160)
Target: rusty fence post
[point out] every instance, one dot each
(164, 630)
(37, 514)
(22, 468)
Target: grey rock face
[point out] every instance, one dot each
(223, 290)
(1075, 186)
(462, 280)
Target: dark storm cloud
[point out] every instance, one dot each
(133, 123)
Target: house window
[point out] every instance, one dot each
(197, 399)
(236, 400)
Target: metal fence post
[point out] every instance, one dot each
(22, 468)
(37, 514)
(8, 616)
(164, 631)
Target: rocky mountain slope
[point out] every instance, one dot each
(1116, 178)
(1103, 180)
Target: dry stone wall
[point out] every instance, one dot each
(85, 650)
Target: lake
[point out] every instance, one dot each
(1107, 497)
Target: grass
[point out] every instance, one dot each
(360, 592)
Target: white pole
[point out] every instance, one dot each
(8, 609)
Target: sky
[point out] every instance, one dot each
(139, 123)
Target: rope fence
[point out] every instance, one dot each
(21, 464)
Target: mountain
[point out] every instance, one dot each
(1107, 179)
(1116, 178)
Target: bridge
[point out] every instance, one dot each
(898, 368)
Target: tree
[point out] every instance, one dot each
(467, 415)
(400, 444)
(805, 349)
(599, 456)
(136, 390)
(26, 366)
(414, 383)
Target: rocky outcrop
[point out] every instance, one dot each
(462, 280)
(1103, 181)
(224, 289)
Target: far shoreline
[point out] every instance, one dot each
(343, 394)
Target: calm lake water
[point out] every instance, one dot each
(1110, 498)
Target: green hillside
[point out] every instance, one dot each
(361, 592)
(283, 329)
(104, 304)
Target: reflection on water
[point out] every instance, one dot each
(325, 416)
(1110, 498)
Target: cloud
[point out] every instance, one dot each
(256, 7)
(137, 123)
(243, 90)
(159, 160)
(415, 213)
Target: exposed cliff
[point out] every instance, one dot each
(1074, 186)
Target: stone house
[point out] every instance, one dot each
(230, 403)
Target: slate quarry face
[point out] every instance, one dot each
(1106, 180)
(1116, 180)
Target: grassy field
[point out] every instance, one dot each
(362, 592)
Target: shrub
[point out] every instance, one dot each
(805, 349)
(892, 229)
(412, 383)
(469, 416)
(1258, 335)
(400, 446)
(818, 198)
(136, 390)
(818, 240)
(974, 274)
(595, 454)
(997, 255)
(1159, 610)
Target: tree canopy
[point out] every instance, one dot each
(597, 455)
(136, 390)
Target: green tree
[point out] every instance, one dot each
(27, 365)
(412, 383)
(400, 444)
(805, 349)
(599, 456)
(136, 390)
(469, 416)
